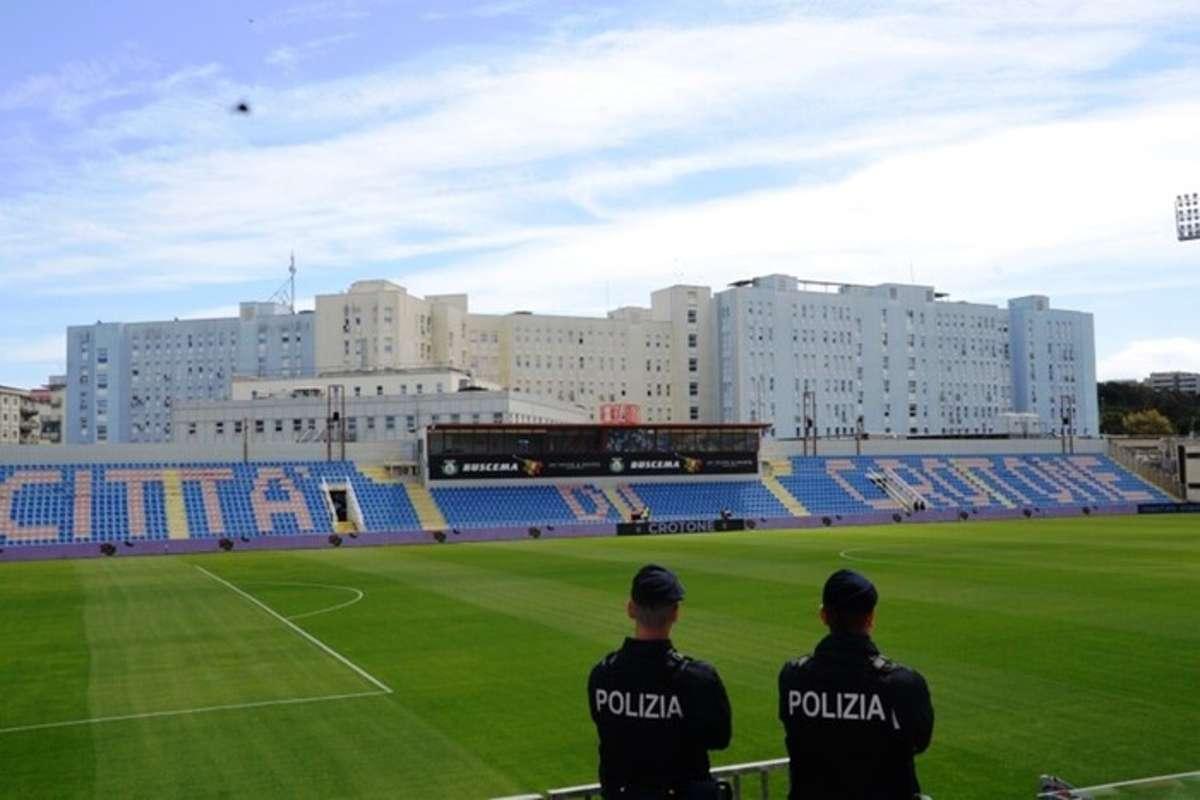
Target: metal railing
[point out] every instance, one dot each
(741, 776)
(749, 780)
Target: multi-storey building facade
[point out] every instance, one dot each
(50, 401)
(122, 378)
(1186, 382)
(15, 417)
(890, 359)
(378, 325)
(1054, 365)
(896, 359)
(659, 358)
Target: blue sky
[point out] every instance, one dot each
(570, 157)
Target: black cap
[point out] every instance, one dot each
(849, 592)
(655, 586)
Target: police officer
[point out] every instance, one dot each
(658, 713)
(854, 719)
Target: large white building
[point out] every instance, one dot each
(891, 359)
(1186, 382)
(897, 359)
(657, 358)
(123, 378)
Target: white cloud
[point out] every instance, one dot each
(1142, 356)
(43, 350)
(995, 161)
(289, 57)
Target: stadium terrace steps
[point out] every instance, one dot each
(177, 524)
(794, 506)
(378, 474)
(430, 515)
(844, 485)
(618, 503)
(79, 503)
(780, 467)
(156, 502)
(964, 470)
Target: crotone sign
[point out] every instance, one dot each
(668, 526)
(589, 465)
(1169, 508)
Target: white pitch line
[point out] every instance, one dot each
(359, 592)
(1139, 782)
(300, 631)
(846, 555)
(291, 701)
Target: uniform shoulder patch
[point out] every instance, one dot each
(882, 663)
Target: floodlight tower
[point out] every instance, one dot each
(1187, 217)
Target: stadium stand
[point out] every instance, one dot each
(117, 502)
(477, 507)
(132, 501)
(697, 500)
(862, 484)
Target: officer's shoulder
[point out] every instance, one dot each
(797, 664)
(608, 661)
(895, 672)
(692, 666)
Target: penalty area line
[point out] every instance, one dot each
(301, 632)
(290, 701)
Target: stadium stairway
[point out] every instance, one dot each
(963, 468)
(786, 499)
(177, 524)
(428, 512)
(618, 503)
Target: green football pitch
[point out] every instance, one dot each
(456, 670)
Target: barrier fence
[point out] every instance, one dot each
(749, 781)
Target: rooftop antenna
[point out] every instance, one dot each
(286, 294)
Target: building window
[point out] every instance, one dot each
(220, 428)
(237, 426)
(191, 429)
(410, 423)
(379, 391)
(693, 340)
(693, 389)
(259, 426)
(694, 413)
(389, 423)
(297, 425)
(691, 316)
(693, 364)
(101, 355)
(279, 426)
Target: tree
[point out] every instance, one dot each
(1150, 422)
(1112, 423)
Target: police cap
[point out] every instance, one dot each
(849, 592)
(655, 586)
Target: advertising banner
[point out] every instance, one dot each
(592, 465)
(1169, 508)
(656, 527)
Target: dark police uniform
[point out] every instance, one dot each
(853, 719)
(658, 713)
